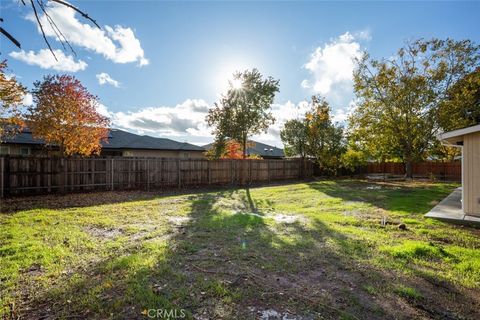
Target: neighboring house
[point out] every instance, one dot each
(120, 143)
(261, 149)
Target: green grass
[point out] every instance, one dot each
(408, 292)
(216, 253)
(412, 250)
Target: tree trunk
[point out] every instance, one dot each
(302, 167)
(408, 169)
(244, 142)
(62, 150)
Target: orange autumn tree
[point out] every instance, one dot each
(65, 114)
(11, 97)
(233, 150)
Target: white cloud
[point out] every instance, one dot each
(331, 69)
(27, 99)
(282, 113)
(103, 110)
(365, 35)
(117, 43)
(12, 75)
(341, 114)
(186, 121)
(104, 78)
(306, 84)
(332, 65)
(45, 60)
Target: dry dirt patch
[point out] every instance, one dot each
(103, 233)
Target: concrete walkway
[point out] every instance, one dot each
(450, 210)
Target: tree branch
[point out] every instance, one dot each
(56, 29)
(10, 37)
(83, 14)
(41, 28)
(61, 37)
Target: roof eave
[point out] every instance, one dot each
(459, 133)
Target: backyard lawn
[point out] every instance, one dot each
(318, 250)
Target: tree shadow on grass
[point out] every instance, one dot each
(228, 259)
(12, 205)
(409, 198)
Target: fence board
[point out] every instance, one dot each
(23, 175)
(449, 171)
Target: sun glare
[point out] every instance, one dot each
(236, 84)
(224, 72)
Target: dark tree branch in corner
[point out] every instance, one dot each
(10, 37)
(59, 34)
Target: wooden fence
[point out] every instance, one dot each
(34, 175)
(448, 171)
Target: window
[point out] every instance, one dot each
(25, 151)
(4, 150)
(186, 155)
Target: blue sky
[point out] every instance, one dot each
(158, 66)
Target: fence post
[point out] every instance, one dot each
(444, 171)
(2, 166)
(6, 175)
(250, 171)
(148, 174)
(111, 174)
(209, 174)
(179, 174)
(162, 165)
(49, 175)
(268, 170)
(62, 175)
(384, 177)
(106, 174)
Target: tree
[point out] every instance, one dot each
(461, 108)
(65, 115)
(245, 108)
(397, 112)
(294, 136)
(438, 151)
(229, 149)
(217, 150)
(352, 159)
(233, 150)
(11, 97)
(325, 139)
(316, 136)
